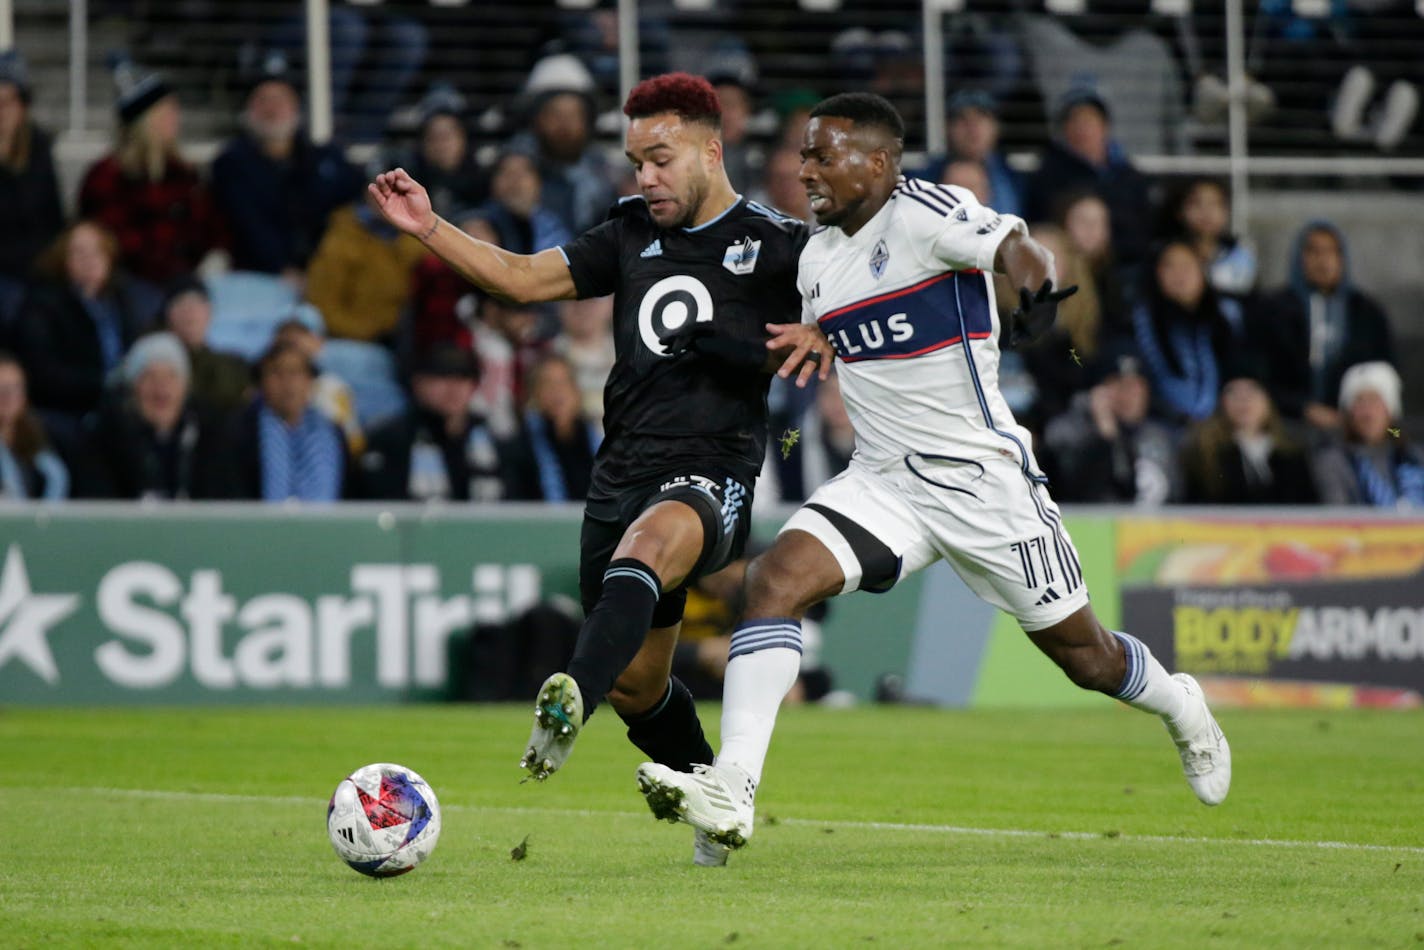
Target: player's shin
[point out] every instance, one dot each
(765, 659)
(670, 733)
(615, 629)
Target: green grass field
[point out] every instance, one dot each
(884, 827)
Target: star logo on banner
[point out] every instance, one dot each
(26, 618)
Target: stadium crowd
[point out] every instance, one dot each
(254, 330)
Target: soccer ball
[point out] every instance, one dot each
(383, 819)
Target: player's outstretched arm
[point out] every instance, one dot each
(525, 278)
(1029, 265)
(799, 348)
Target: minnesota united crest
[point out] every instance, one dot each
(878, 259)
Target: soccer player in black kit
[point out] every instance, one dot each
(698, 273)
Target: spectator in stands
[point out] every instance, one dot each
(440, 449)
(793, 112)
(515, 209)
(1309, 331)
(331, 395)
(29, 468)
(284, 448)
(74, 328)
(972, 135)
(560, 439)
(360, 276)
(1085, 157)
(1087, 223)
(30, 212)
(219, 381)
(577, 183)
(144, 192)
(275, 187)
(586, 342)
(1187, 346)
(1199, 212)
(1058, 359)
(507, 344)
(781, 183)
(734, 77)
(970, 175)
(1373, 463)
(152, 441)
(1107, 448)
(1241, 454)
(442, 303)
(444, 157)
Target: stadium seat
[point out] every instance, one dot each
(248, 306)
(370, 371)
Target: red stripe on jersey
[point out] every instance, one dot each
(928, 349)
(887, 296)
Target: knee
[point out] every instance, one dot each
(773, 590)
(636, 690)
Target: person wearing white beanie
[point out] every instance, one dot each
(154, 443)
(1373, 464)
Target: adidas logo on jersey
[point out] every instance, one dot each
(1049, 596)
(653, 250)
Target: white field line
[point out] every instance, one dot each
(163, 794)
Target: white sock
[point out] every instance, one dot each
(1147, 685)
(765, 660)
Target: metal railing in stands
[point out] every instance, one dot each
(1234, 150)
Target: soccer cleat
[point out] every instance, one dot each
(707, 853)
(558, 717)
(717, 800)
(1206, 758)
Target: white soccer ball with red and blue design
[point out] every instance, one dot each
(383, 819)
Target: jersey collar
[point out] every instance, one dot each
(708, 224)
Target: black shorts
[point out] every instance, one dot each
(722, 501)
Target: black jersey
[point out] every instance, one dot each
(736, 273)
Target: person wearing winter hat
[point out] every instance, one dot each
(153, 443)
(155, 203)
(577, 182)
(444, 156)
(276, 187)
(30, 212)
(1374, 463)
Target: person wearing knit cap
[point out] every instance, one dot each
(444, 156)
(1374, 463)
(30, 212)
(143, 191)
(152, 443)
(275, 186)
(577, 180)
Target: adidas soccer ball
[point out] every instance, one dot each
(383, 820)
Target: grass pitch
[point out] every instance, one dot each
(884, 827)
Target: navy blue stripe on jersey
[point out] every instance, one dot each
(912, 321)
(937, 197)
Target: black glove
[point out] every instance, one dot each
(1036, 312)
(701, 340)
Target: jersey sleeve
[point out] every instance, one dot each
(965, 234)
(594, 259)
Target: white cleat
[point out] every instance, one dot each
(1206, 758)
(558, 718)
(707, 853)
(716, 800)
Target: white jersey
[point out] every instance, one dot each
(908, 303)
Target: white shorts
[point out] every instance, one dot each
(1000, 531)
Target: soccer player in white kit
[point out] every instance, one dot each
(898, 279)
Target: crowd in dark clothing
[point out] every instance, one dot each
(1171, 376)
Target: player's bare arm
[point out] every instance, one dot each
(524, 278)
(1028, 264)
(799, 348)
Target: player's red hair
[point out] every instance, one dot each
(691, 97)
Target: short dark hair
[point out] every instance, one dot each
(863, 108)
(691, 97)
